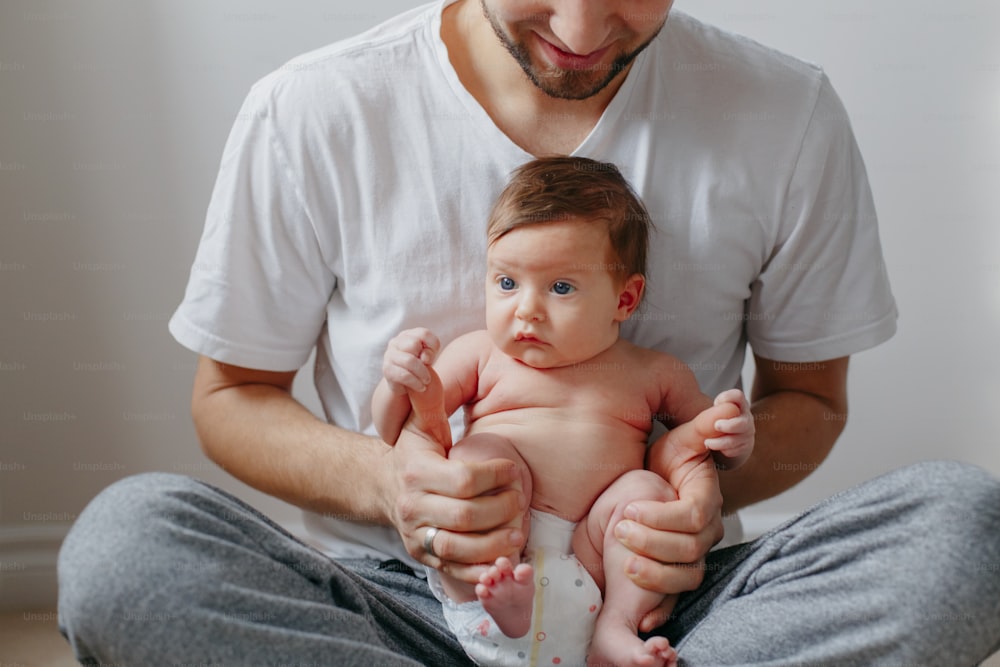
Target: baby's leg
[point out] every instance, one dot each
(507, 588)
(616, 640)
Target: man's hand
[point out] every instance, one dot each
(468, 502)
(670, 541)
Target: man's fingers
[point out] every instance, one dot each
(664, 578)
(695, 512)
(462, 554)
(464, 479)
(474, 506)
(664, 546)
(472, 515)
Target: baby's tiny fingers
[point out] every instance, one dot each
(406, 370)
(400, 381)
(732, 396)
(723, 444)
(736, 425)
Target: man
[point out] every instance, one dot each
(349, 206)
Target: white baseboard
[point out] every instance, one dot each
(28, 557)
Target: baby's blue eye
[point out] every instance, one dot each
(562, 288)
(506, 284)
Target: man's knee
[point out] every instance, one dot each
(964, 506)
(966, 494)
(956, 528)
(108, 521)
(109, 556)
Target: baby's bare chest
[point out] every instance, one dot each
(610, 389)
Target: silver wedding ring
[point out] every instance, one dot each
(429, 540)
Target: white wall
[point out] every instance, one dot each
(112, 118)
(921, 81)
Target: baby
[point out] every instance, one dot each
(551, 386)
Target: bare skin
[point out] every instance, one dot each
(552, 388)
(250, 424)
(506, 589)
(789, 400)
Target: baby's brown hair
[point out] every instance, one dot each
(554, 189)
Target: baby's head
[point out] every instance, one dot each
(566, 261)
(558, 189)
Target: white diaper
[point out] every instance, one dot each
(567, 602)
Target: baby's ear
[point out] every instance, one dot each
(630, 295)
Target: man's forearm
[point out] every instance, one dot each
(795, 433)
(263, 436)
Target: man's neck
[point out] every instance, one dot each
(538, 123)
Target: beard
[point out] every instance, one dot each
(565, 84)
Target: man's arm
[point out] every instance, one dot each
(800, 410)
(249, 423)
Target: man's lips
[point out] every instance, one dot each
(571, 61)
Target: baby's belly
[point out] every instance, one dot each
(571, 463)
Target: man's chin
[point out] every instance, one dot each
(571, 84)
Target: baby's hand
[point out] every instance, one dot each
(735, 441)
(406, 360)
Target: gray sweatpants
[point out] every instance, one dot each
(902, 570)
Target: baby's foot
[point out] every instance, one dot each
(619, 644)
(507, 593)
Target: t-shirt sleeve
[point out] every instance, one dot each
(824, 292)
(259, 286)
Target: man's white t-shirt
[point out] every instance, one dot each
(354, 189)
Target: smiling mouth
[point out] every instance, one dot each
(571, 61)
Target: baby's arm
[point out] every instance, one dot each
(414, 395)
(733, 445)
(405, 368)
(723, 428)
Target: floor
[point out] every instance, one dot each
(32, 639)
